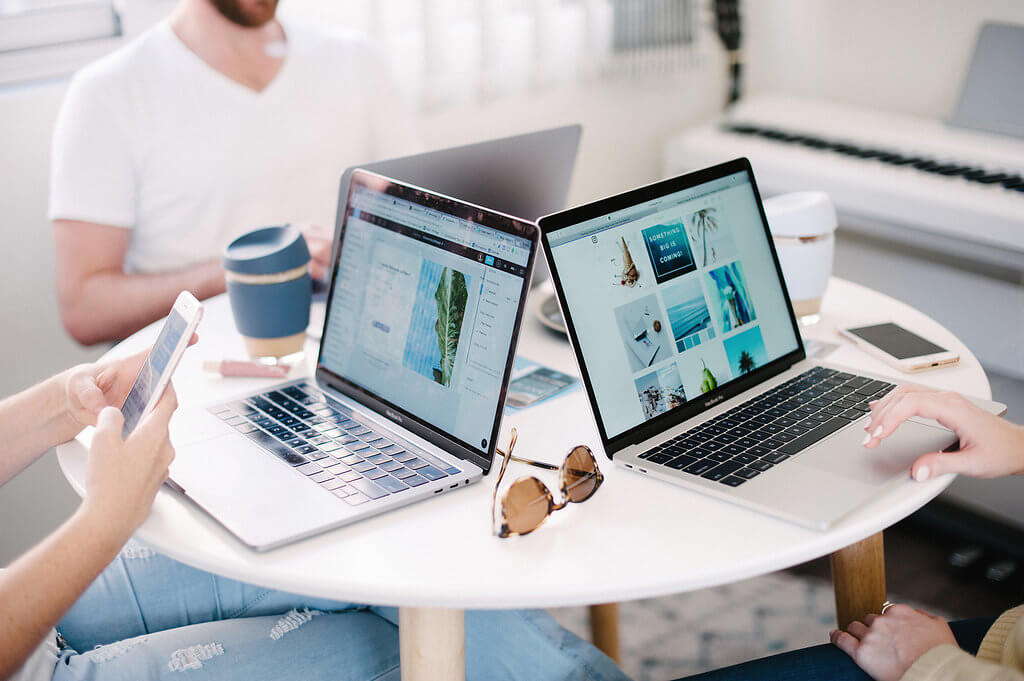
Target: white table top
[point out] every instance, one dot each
(636, 538)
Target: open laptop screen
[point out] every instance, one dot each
(672, 296)
(424, 305)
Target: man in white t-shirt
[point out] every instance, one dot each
(217, 121)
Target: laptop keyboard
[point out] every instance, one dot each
(331, 447)
(769, 429)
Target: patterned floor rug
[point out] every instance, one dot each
(675, 636)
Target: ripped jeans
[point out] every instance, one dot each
(149, 617)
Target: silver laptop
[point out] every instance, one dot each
(692, 357)
(423, 313)
(524, 175)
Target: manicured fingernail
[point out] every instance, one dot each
(867, 439)
(878, 431)
(922, 474)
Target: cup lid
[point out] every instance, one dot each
(267, 250)
(801, 214)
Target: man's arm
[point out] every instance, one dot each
(98, 301)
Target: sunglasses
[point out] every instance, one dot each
(528, 502)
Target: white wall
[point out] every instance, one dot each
(907, 56)
(625, 125)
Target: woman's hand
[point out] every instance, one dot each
(885, 646)
(91, 387)
(990, 446)
(319, 240)
(123, 476)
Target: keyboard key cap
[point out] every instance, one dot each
(661, 457)
(414, 480)
(776, 457)
(392, 484)
(732, 481)
(390, 465)
(343, 491)
(812, 436)
(378, 459)
(414, 463)
(402, 456)
(304, 449)
(350, 476)
(758, 451)
(309, 468)
(375, 474)
(403, 473)
(701, 467)
(278, 449)
(245, 428)
(351, 459)
(852, 414)
(722, 470)
(760, 466)
(322, 476)
(431, 472)
(719, 457)
(744, 458)
(356, 499)
(363, 466)
(681, 461)
(748, 473)
(370, 489)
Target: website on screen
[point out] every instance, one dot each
(672, 298)
(423, 310)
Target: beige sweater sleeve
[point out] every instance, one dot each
(1000, 657)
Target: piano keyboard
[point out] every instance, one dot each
(900, 177)
(939, 166)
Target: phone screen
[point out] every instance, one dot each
(152, 369)
(896, 341)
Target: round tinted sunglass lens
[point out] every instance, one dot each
(525, 505)
(579, 474)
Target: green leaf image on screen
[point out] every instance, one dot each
(451, 297)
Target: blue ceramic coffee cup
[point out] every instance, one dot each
(268, 281)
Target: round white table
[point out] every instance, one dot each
(637, 538)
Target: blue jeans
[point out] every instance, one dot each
(828, 663)
(149, 617)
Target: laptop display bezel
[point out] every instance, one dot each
(573, 216)
(404, 418)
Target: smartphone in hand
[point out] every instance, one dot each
(163, 359)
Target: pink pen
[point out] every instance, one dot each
(230, 368)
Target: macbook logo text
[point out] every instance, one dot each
(393, 416)
(713, 401)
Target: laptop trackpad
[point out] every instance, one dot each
(257, 497)
(844, 455)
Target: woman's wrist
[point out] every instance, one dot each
(66, 426)
(109, 528)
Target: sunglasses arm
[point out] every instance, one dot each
(538, 464)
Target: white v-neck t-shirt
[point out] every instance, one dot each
(153, 139)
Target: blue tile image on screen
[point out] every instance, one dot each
(669, 250)
(730, 297)
(688, 313)
(745, 351)
(439, 306)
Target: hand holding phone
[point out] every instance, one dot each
(900, 348)
(162, 360)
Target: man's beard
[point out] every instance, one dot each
(249, 15)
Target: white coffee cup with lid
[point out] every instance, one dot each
(803, 226)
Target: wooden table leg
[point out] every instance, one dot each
(858, 577)
(432, 642)
(604, 629)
